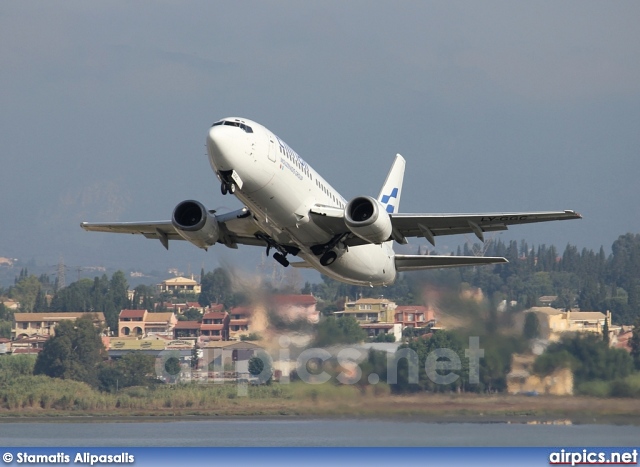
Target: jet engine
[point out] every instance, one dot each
(195, 224)
(367, 219)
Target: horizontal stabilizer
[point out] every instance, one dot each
(416, 262)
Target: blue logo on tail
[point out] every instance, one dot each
(386, 198)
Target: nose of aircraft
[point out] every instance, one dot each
(223, 146)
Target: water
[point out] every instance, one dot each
(310, 433)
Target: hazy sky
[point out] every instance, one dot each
(497, 106)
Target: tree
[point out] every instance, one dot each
(589, 358)
(133, 369)
(192, 314)
(26, 292)
(531, 326)
(635, 344)
(136, 368)
(195, 356)
(439, 341)
(118, 290)
(100, 294)
(385, 337)
(345, 330)
(74, 352)
(216, 288)
(260, 367)
(5, 313)
(40, 304)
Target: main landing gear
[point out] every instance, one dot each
(280, 258)
(331, 251)
(328, 258)
(283, 250)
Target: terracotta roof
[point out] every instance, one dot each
(215, 307)
(214, 315)
(162, 317)
(132, 313)
(194, 305)
(305, 300)
(187, 325)
(56, 315)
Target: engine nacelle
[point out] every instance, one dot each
(367, 219)
(195, 224)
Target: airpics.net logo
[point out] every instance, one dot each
(441, 366)
(589, 457)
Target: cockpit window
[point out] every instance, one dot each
(246, 128)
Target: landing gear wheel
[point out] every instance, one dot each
(279, 257)
(224, 188)
(328, 258)
(232, 188)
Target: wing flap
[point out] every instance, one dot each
(416, 262)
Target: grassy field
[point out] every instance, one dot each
(26, 397)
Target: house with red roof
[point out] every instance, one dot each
(43, 324)
(215, 326)
(140, 323)
(239, 321)
(415, 316)
(187, 330)
(295, 307)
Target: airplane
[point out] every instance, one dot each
(291, 209)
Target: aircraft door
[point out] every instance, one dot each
(272, 149)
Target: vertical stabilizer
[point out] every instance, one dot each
(390, 194)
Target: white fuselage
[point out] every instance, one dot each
(280, 188)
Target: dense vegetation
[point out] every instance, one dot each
(587, 279)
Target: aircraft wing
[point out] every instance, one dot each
(415, 262)
(236, 227)
(430, 226)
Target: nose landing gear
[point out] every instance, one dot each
(228, 188)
